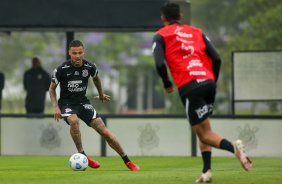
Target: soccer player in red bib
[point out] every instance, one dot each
(194, 65)
(72, 76)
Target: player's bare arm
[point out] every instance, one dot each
(102, 96)
(53, 97)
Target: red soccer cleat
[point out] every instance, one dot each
(93, 163)
(132, 166)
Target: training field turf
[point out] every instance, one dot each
(154, 170)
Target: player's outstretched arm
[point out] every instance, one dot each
(53, 97)
(102, 96)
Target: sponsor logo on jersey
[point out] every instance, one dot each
(75, 82)
(85, 73)
(188, 49)
(65, 66)
(182, 34)
(74, 86)
(184, 41)
(181, 40)
(195, 62)
(76, 73)
(198, 73)
(69, 74)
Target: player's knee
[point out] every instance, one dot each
(73, 120)
(204, 138)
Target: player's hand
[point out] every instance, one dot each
(169, 89)
(103, 97)
(57, 114)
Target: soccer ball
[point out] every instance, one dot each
(78, 162)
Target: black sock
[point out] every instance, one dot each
(206, 155)
(125, 159)
(226, 145)
(83, 153)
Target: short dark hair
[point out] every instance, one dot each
(171, 11)
(75, 43)
(35, 59)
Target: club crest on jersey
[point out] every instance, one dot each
(84, 73)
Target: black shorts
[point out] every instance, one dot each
(84, 111)
(199, 102)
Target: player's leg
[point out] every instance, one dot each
(206, 175)
(190, 101)
(70, 115)
(206, 156)
(208, 137)
(206, 149)
(98, 125)
(217, 140)
(73, 121)
(74, 131)
(92, 119)
(198, 106)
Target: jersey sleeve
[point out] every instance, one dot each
(56, 76)
(212, 53)
(158, 49)
(93, 72)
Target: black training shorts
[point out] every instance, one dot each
(85, 111)
(199, 102)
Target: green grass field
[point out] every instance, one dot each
(155, 170)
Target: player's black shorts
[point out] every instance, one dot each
(199, 102)
(84, 111)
